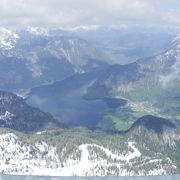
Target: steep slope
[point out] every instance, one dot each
(117, 77)
(152, 123)
(159, 70)
(83, 152)
(150, 86)
(155, 129)
(16, 114)
(43, 56)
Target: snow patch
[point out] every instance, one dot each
(7, 117)
(8, 39)
(21, 158)
(37, 31)
(84, 28)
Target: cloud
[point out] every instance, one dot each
(70, 13)
(174, 75)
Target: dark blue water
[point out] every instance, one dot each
(173, 177)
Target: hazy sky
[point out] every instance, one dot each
(70, 13)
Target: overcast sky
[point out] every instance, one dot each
(71, 13)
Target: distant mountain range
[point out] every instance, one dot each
(150, 85)
(123, 44)
(147, 86)
(34, 56)
(162, 69)
(79, 115)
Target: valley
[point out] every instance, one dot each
(66, 110)
(89, 89)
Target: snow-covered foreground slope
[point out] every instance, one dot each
(39, 158)
(90, 167)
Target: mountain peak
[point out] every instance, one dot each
(152, 123)
(37, 31)
(8, 38)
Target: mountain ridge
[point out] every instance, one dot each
(43, 57)
(16, 114)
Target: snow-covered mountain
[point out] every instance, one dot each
(8, 39)
(40, 158)
(42, 56)
(37, 31)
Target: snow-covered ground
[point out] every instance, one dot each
(39, 158)
(86, 166)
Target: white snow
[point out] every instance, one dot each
(176, 39)
(84, 28)
(20, 158)
(7, 39)
(39, 158)
(7, 117)
(127, 157)
(86, 166)
(37, 31)
(33, 62)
